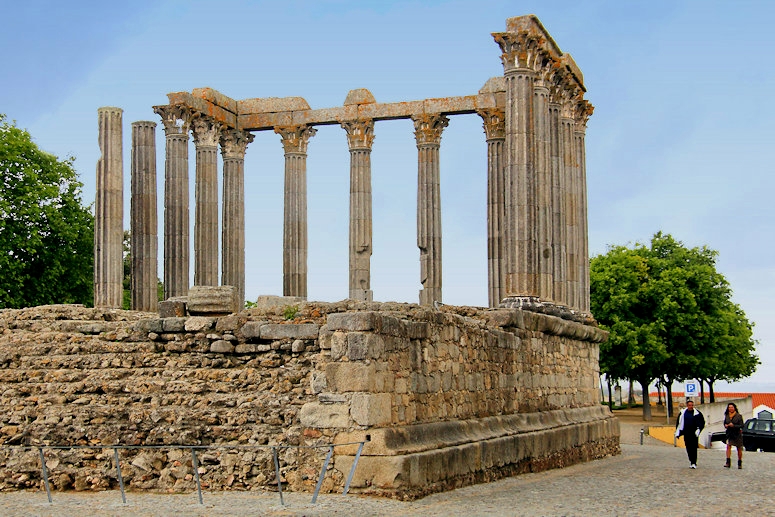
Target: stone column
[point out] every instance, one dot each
(583, 111)
(569, 172)
(427, 133)
(559, 226)
(295, 140)
(233, 146)
(543, 183)
(143, 218)
(494, 129)
(520, 52)
(206, 133)
(360, 137)
(109, 212)
(177, 121)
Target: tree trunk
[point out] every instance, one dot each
(644, 384)
(631, 395)
(702, 391)
(610, 396)
(710, 391)
(659, 393)
(669, 398)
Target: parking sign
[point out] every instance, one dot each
(691, 389)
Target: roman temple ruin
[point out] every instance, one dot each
(419, 397)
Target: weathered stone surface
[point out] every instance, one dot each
(222, 346)
(325, 416)
(359, 96)
(371, 409)
(212, 300)
(173, 324)
(198, 324)
(289, 331)
(458, 398)
(172, 308)
(271, 105)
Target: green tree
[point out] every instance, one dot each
(670, 315)
(46, 235)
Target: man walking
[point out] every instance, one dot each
(690, 423)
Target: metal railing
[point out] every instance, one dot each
(195, 463)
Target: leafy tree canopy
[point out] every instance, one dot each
(670, 315)
(46, 235)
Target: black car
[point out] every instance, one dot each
(759, 433)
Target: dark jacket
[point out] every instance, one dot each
(697, 422)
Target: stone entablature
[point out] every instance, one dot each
(423, 384)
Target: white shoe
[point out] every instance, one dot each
(693, 466)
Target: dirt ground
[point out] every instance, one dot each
(631, 422)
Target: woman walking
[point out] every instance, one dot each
(733, 422)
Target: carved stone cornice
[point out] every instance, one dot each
(360, 133)
(234, 143)
(521, 50)
(428, 128)
(295, 138)
(176, 118)
(206, 131)
(494, 122)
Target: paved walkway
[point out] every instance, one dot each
(645, 480)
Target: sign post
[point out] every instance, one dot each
(691, 390)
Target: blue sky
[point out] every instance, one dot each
(681, 139)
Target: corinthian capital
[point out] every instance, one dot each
(360, 133)
(234, 143)
(546, 67)
(206, 131)
(428, 127)
(176, 119)
(295, 138)
(521, 50)
(494, 122)
(584, 110)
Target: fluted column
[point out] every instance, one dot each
(494, 129)
(143, 218)
(360, 137)
(520, 52)
(206, 133)
(569, 172)
(109, 211)
(427, 132)
(295, 140)
(543, 185)
(559, 226)
(233, 146)
(583, 111)
(177, 122)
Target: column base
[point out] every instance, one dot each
(362, 295)
(534, 304)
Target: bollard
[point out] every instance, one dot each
(641, 436)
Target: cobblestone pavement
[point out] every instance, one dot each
(644, 480)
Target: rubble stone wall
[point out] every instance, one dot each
(442, 397)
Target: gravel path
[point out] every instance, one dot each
(644, 480)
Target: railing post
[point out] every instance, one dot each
(352, 469)
(322, 473)
(195, 464)
(120, 478)
(45, 473)
(277, 473)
